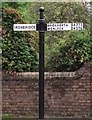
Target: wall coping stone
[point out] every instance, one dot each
(48, 75)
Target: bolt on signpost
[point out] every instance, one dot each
(42, 26)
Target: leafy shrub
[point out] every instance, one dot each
(19, 49)
(69, 53)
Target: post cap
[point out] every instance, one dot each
(41, 9)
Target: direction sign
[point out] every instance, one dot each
(24, 27)
(64, 26)
(58, 26)
(50, 27)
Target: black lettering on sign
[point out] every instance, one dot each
(23, 27)
(18, 27)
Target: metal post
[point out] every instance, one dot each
(41, 75)
(41, 27)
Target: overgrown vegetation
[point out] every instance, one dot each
(8, 116)
(70, 52)
(20, 51)
(64, 51)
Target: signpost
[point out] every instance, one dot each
(42, 26)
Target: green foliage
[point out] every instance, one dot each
(8, 116)
(64, 51)
(60, 12)
(69, 53)
(20, 50)
(21, 7)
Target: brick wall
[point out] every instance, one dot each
(66, 93)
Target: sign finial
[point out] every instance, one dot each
(41, 9)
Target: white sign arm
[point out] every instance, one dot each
(24, 27)
(64, 26)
